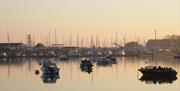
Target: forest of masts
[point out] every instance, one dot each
(86, 41)
(80, 41)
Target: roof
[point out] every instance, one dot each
(10, 44)
(70, 47)
(163, 43)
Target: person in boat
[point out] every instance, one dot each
(49, 67)
(86, 62)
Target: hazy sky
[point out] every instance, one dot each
(131, 18)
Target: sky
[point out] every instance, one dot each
(132, 19)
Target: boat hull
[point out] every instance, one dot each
(177, 57)
(159, 80)
(147, 73)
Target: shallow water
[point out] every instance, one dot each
(19, 75)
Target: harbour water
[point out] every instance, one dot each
(19, 75)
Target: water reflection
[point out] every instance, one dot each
(120, 76)
(104, 64)
(50, 78)
(12, 61)
(88, 70)
(50, 71)
(157, 80)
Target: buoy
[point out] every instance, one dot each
(37, 72)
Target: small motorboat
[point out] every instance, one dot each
(93, 59)
(49, 68)
(103, 61)
(86, 65)
(111, 59)
(177, 56)
(63, 57)
(107, 60)
(153, 71)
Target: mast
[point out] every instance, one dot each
(87, 42)
(1, 18)
(8, 37)
(41, 38)
(0, 31)
(97, 44)
(144, 42)
(33, 39)
(55, 37)
(44, 39)
(78, 40)
(81, 41)
(92, 42)
(63, 40)
(116, 40)
(124, 41)
(70, 40)
(155, 34)
(49, 40)
(111, 39)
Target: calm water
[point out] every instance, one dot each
(19, 75)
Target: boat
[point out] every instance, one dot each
(102, 62)
(111, 59)
(159, 80)
(107, 60)
(86, 65)
(93, 59)
(49, 68)
(63, 57)
(154, 71)
(74, 55)
(177, 56)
